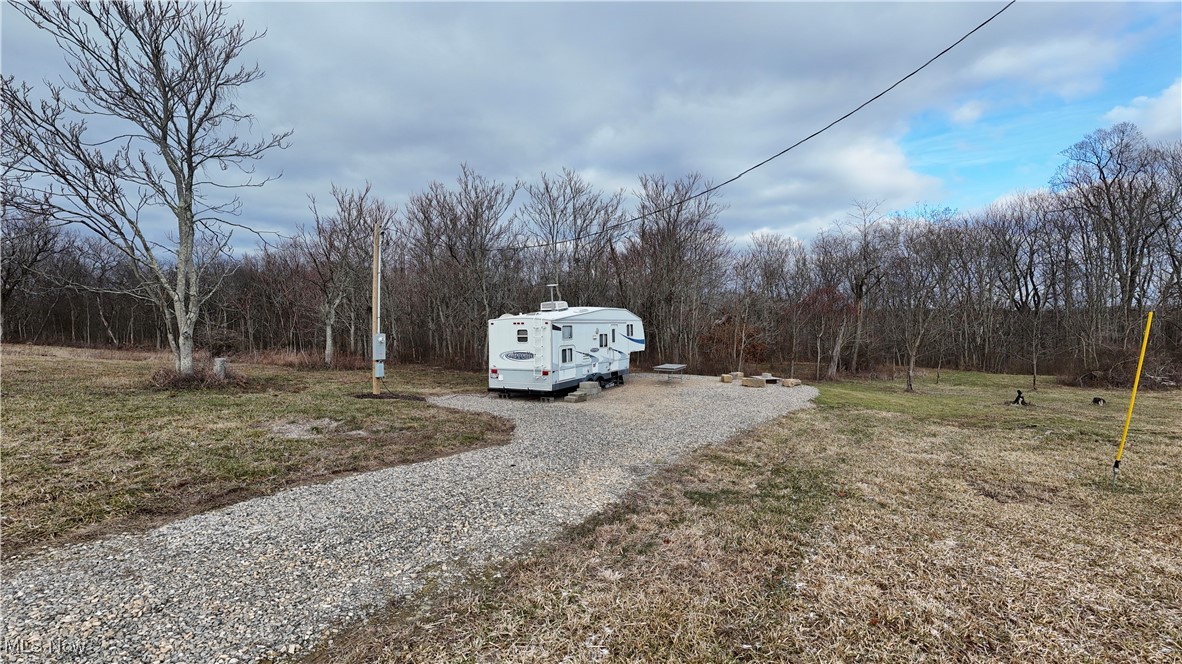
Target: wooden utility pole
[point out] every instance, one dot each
(375, 307)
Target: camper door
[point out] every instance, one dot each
(617, 357)
(602, 353)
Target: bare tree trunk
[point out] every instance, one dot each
(817, 363)
(353, 330)
(45, 320)
(184, 346)
(912, 351)
(859, 309)
(106, 324)
(1034, 355)
(835, 357)
(792, 355)
(328, 346)
(330, 319)
(742, 345)
(735, 349)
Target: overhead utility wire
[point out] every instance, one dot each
(778, 154)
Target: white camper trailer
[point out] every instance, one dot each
(555, 349)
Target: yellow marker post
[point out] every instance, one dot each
(1132, 400)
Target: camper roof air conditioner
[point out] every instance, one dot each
(556, 305)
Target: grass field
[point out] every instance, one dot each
(89, 448)
(879, 526)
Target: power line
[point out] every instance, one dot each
(781, 152)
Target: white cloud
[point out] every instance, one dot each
(1159, 118)
(968, 113)
(1068, 66)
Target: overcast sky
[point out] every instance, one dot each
(401, 94)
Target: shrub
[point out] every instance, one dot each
(1158, 373)
(202, 378)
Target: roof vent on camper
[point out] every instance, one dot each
(554, 305)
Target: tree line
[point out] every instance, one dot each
(1055, 280)
(1050, 281)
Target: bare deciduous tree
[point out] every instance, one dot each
(1172, 237)
(143, 131)
(830, 306)
(769, 282)
(574, 224)
(1020, 232)
(338, 250)
(1120, 187)
(461, 242)
(917, 280)
(27, 240)
(676, 259)
(863, 259)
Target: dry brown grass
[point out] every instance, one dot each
(303, 360)
(881, 526)
(97, 353)
(89, 446)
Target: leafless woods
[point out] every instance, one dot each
(1055, 280)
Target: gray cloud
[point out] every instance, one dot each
(401, 94)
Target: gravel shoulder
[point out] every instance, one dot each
(275, 575)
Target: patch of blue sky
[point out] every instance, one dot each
(1016, 141)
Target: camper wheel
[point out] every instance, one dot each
(602, 382)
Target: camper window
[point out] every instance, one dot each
(613, 335)
(568, 332)
(523, 336)
(568, 355)
(629, 329)
(602, 340)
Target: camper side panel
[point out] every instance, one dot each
(536, 354)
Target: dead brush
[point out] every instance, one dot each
(202, 378)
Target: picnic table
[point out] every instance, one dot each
(670, 369)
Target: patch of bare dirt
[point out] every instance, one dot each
(1015, 492)
(305, 429)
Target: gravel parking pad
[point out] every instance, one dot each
(277, 574)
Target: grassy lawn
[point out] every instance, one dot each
(88, 448)
(879, 526)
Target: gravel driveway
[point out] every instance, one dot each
(277, 574)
